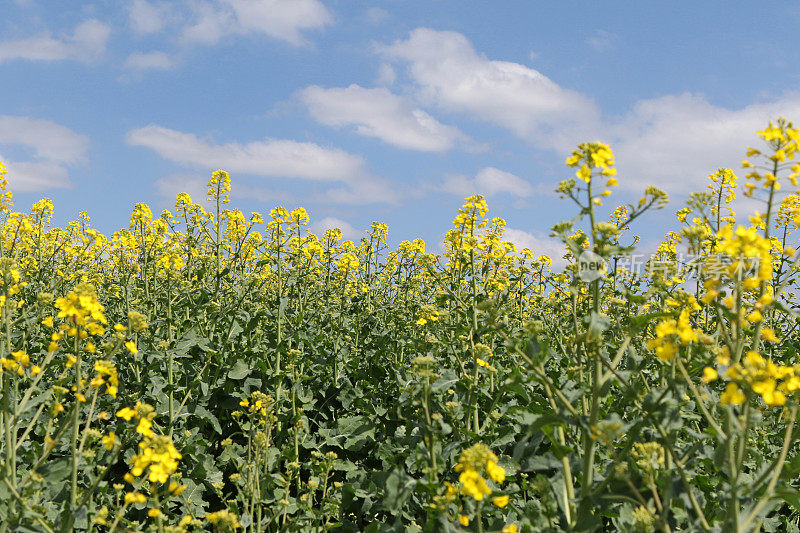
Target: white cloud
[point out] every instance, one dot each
(34, 176)
(449, 72)
(87, 43)
(348, 231)
(381, 114)
(148, 61)
(209, 25)
(285, 20)
(281, 19)
(47, 139)
(496, 181)
(272, 157)
(53, 147)
(146, 18)
(672, 141)
(675, 141)
(386, 74)
(488, 181)
(539, 244)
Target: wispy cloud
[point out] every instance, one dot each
(147, 18)
(274, 158)
(488, 181)
(448, 71)
(53, 148)
(285, 20)
(47, 139)
(156, 60)
(379, 113)
(670, 141)
(386, 74)
(36, 176)
(675, 141)
(86, 43)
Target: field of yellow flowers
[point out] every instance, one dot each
(208, 370)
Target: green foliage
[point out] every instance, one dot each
(201, 371)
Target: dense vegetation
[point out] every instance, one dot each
(205, 370)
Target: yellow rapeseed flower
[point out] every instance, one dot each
(732, 395)
(709, 374)
(500, 501)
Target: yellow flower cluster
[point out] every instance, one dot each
(159, 455)
(671, 332)
(348, 262)
(475, 462)
(754, 373)
(606, 431)
(144, 413)
(427, 314)
(170, 261)
(259, 404)
(587, 158)
(6, 202)
(81, 308)
(18, 362)
(224, 520)
(783, 140)
(788, 214)
(135, 497)
(649, 458)
(299, 217)
(723, 184)
(482, 355)
(410, 249)
(219, 187)
(106, 375)
(593, 155)
(10, 280)
(747, 250)
(474, 208)
(137, 321)
(109, 441)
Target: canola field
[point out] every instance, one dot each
(210, 370)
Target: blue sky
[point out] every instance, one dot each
(386, 110)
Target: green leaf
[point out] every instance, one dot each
(357, 430)
(240, 370)
(790, 495)
(204, 414)
(398, 489)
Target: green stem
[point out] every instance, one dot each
(73, 496)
